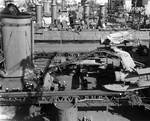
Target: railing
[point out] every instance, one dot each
(88, 97)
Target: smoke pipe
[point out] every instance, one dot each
(46, 7)
(54, 11)
(63, 5)
(39, 15)
(86, 10)
(32, 41)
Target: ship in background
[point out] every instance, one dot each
(62, 84)
(84, 22)
(54, 17)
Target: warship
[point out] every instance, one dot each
(73, 73)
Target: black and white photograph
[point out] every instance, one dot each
(74, 60)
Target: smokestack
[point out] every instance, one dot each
(46, 7)
(54, 10)
(63, 5)
(102, 11)
(86, 10)
(39, 15)
(16, 32)
(102, 16)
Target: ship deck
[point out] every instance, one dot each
(43, 35)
